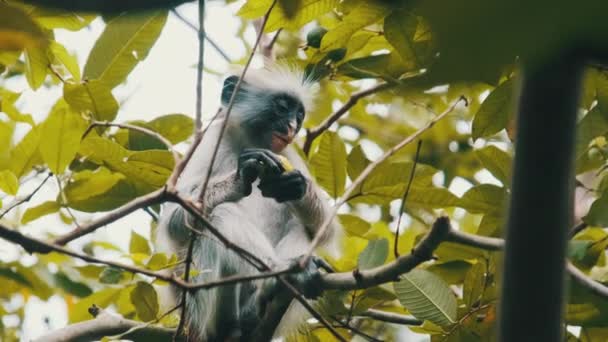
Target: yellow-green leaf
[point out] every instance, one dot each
(25, 155)
(52, 19)
(87, 184)
(17, 30)
(94, 97)
(9, 182)
(364, 14)
(175, 127)
(7, 105)
(40, 210)
(125, 41)
(138, 244)
(66, 59)
(329, 164)
(102, 299)
(145, 300)
(62, 132)
(36, 66)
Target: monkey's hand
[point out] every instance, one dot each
(257, 162)
(287, 186)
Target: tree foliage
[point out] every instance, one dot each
(386, 69)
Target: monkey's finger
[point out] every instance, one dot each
(271, 163)
(249, 170)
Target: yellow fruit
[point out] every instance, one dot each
(286, 164)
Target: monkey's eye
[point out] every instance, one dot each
(282, 104)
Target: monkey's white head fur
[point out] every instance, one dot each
(278, 77)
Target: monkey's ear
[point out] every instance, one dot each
(228, 89)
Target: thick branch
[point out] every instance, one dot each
(360, 279)
(368, 170)
(314, 132)
(107, 324)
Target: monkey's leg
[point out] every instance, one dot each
(231, 311)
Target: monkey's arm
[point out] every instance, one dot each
(227, 188)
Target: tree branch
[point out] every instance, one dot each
(107, 324)
(360, 279)
(27, 198)
(390, 317)
(155, 197)
(315, 132)
(195, 29)
(367, 171)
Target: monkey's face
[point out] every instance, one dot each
(268, 120)
(275, 122)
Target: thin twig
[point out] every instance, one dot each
(367, 171)
(19, 202)
(346, 325)
(407, 191)
(207, 38)
(233, 98)
(139, 129)
(315, 132)
(390, 317)
(197, 128)
(155, 197)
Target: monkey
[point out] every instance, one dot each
(253, 201)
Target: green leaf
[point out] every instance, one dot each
(364, 14)
(374, 254)
(329, 164)
(494, 113)
(40, 210)
(577, 249)
(592, 125)
(125, 41)
(357, 162)
(484, 198)
(175, 127)
(427, 297)
(87, 184)
(93, 96)
(474, 285)
(36, 66)
(307, 11)
(119, 194)
(106, 152)
(110, 275)
(157, 261)
(62, 131)
(145, 300)
(497, 161)
(598, 213)
(399, 30)
(9, 182)
(25, 155)
(138, 244)
(452, 272)
(103, 298)
(70, 286)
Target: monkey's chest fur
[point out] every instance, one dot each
(265, 214)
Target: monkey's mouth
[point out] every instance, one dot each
(280, 141)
